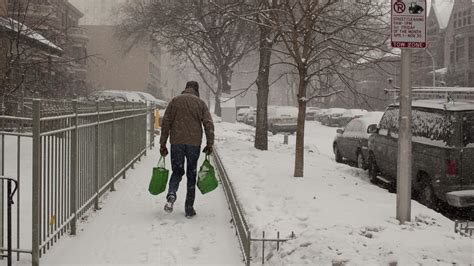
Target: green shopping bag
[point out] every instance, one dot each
(159, 178)
(207, 181)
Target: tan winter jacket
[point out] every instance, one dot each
(184, 118)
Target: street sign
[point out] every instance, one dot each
(408, 27)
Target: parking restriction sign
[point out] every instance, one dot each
(408, 27)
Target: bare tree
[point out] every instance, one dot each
(199, 31)
(32, 65)
(325, 38)
(267, 38)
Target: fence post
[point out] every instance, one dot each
(74, 168)
(124, 141)
(112, 185)
(278, 242)
(247, 248)
(263, 247)
(36, 184)
(97, 158)
(152, 126)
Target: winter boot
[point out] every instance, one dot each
(190, 213)
(169, 204)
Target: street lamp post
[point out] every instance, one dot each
(434, 66)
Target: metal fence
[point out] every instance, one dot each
(464, 228)
(241, 226)
(67, 155)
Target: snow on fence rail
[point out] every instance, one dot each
(65, 155)
(238, 218)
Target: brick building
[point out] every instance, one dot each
(459, 44)
(58, 22)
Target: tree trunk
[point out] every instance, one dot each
(223, 86)
(299, 154)
(217, 104)
(261, 129)
(225, 75)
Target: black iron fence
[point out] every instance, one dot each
(65, 155)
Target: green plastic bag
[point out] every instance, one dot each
(207, 181)
(159, 178)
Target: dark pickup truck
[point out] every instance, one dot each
(442, 150)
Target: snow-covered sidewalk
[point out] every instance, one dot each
(338, 216)
(132, 228)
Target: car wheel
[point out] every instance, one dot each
(373, 169)
(338, 155)
(426, 195)
(361, 161)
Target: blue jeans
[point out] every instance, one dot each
(178, 153)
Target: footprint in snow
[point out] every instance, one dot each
(302, 217)
(143, 257)
(196, 249)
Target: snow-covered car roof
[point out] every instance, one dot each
(283, 110)
(243, 111)
(354, 112)
(370, 120)
(442, 104)
(150, 98)
(335, 111)
(129, 96)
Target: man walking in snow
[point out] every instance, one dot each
(183, 121)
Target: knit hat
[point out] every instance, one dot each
(193, 85)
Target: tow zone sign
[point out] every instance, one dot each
(408, 27)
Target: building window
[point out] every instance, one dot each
(459, 49)
(455, 23)
(451, 53)
(464, 21)
(471, 48)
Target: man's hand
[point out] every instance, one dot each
(163, 151)
(207, 150)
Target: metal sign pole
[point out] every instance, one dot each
(404, 165)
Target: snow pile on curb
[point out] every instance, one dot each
(337, 215)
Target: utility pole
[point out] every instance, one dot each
(404, 142)
(406, 14)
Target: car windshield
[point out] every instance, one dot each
(468, 130)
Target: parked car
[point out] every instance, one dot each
(351, 142)
(241, 114)
(330, 117)
(320, 115)
(442, 150)
(238, 107)
(348, 115)
(116, 95)
(282, 119)
(312, 112)
(150, 99)
(250, 117)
